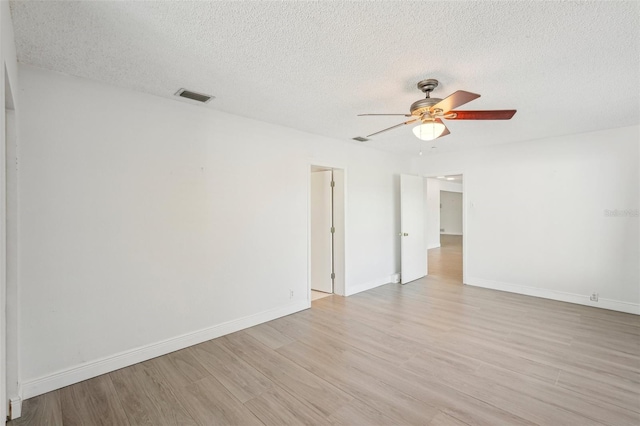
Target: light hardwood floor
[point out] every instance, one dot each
(445, 262)
(431, 352)
(315, 295)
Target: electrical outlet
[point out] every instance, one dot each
(290, 294)
(594, 297)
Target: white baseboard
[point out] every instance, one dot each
(351, 290)
(15, 408)
(66, 377)
(580, 299)
(433, 246)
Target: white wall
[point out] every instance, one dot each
(536, 221)
(8, 236)
(432, 213)
(451, 213)
(150, 224)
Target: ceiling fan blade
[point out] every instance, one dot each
(393, 127)
(455, 100)
(498, 114)
(445, 132)
(405, 115)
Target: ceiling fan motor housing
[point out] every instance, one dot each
(423, 105)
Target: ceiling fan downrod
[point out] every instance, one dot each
(427, 86)
(423, 106)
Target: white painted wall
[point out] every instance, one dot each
(451, 213)
(149, 224)
(432, 213)
(536, 221)
(8, 236)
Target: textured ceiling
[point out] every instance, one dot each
(567, 67)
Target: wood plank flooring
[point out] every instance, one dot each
(445, 262)
(315, 295)
(432, 352)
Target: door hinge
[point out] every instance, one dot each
(333, 230)
(333, 183)
(333, 275)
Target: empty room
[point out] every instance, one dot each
(320, 213)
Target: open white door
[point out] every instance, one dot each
(413, 257)
(321, 236)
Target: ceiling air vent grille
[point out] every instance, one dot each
(194, 96)
(360, 139)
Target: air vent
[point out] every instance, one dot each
(199, 97)
(360, 139)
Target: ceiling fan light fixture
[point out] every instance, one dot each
(429, 130)
(430, 111)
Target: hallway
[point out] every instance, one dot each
(445, 262)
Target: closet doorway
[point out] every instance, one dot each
(326, 232)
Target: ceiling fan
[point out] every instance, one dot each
(430, 112)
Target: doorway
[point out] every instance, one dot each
(326, 231)
(444, 198)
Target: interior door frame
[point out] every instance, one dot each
(4, 408)
(465, 207)
(339, 222)
(10, 393)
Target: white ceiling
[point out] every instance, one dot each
(567, 67)
(451, 178)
